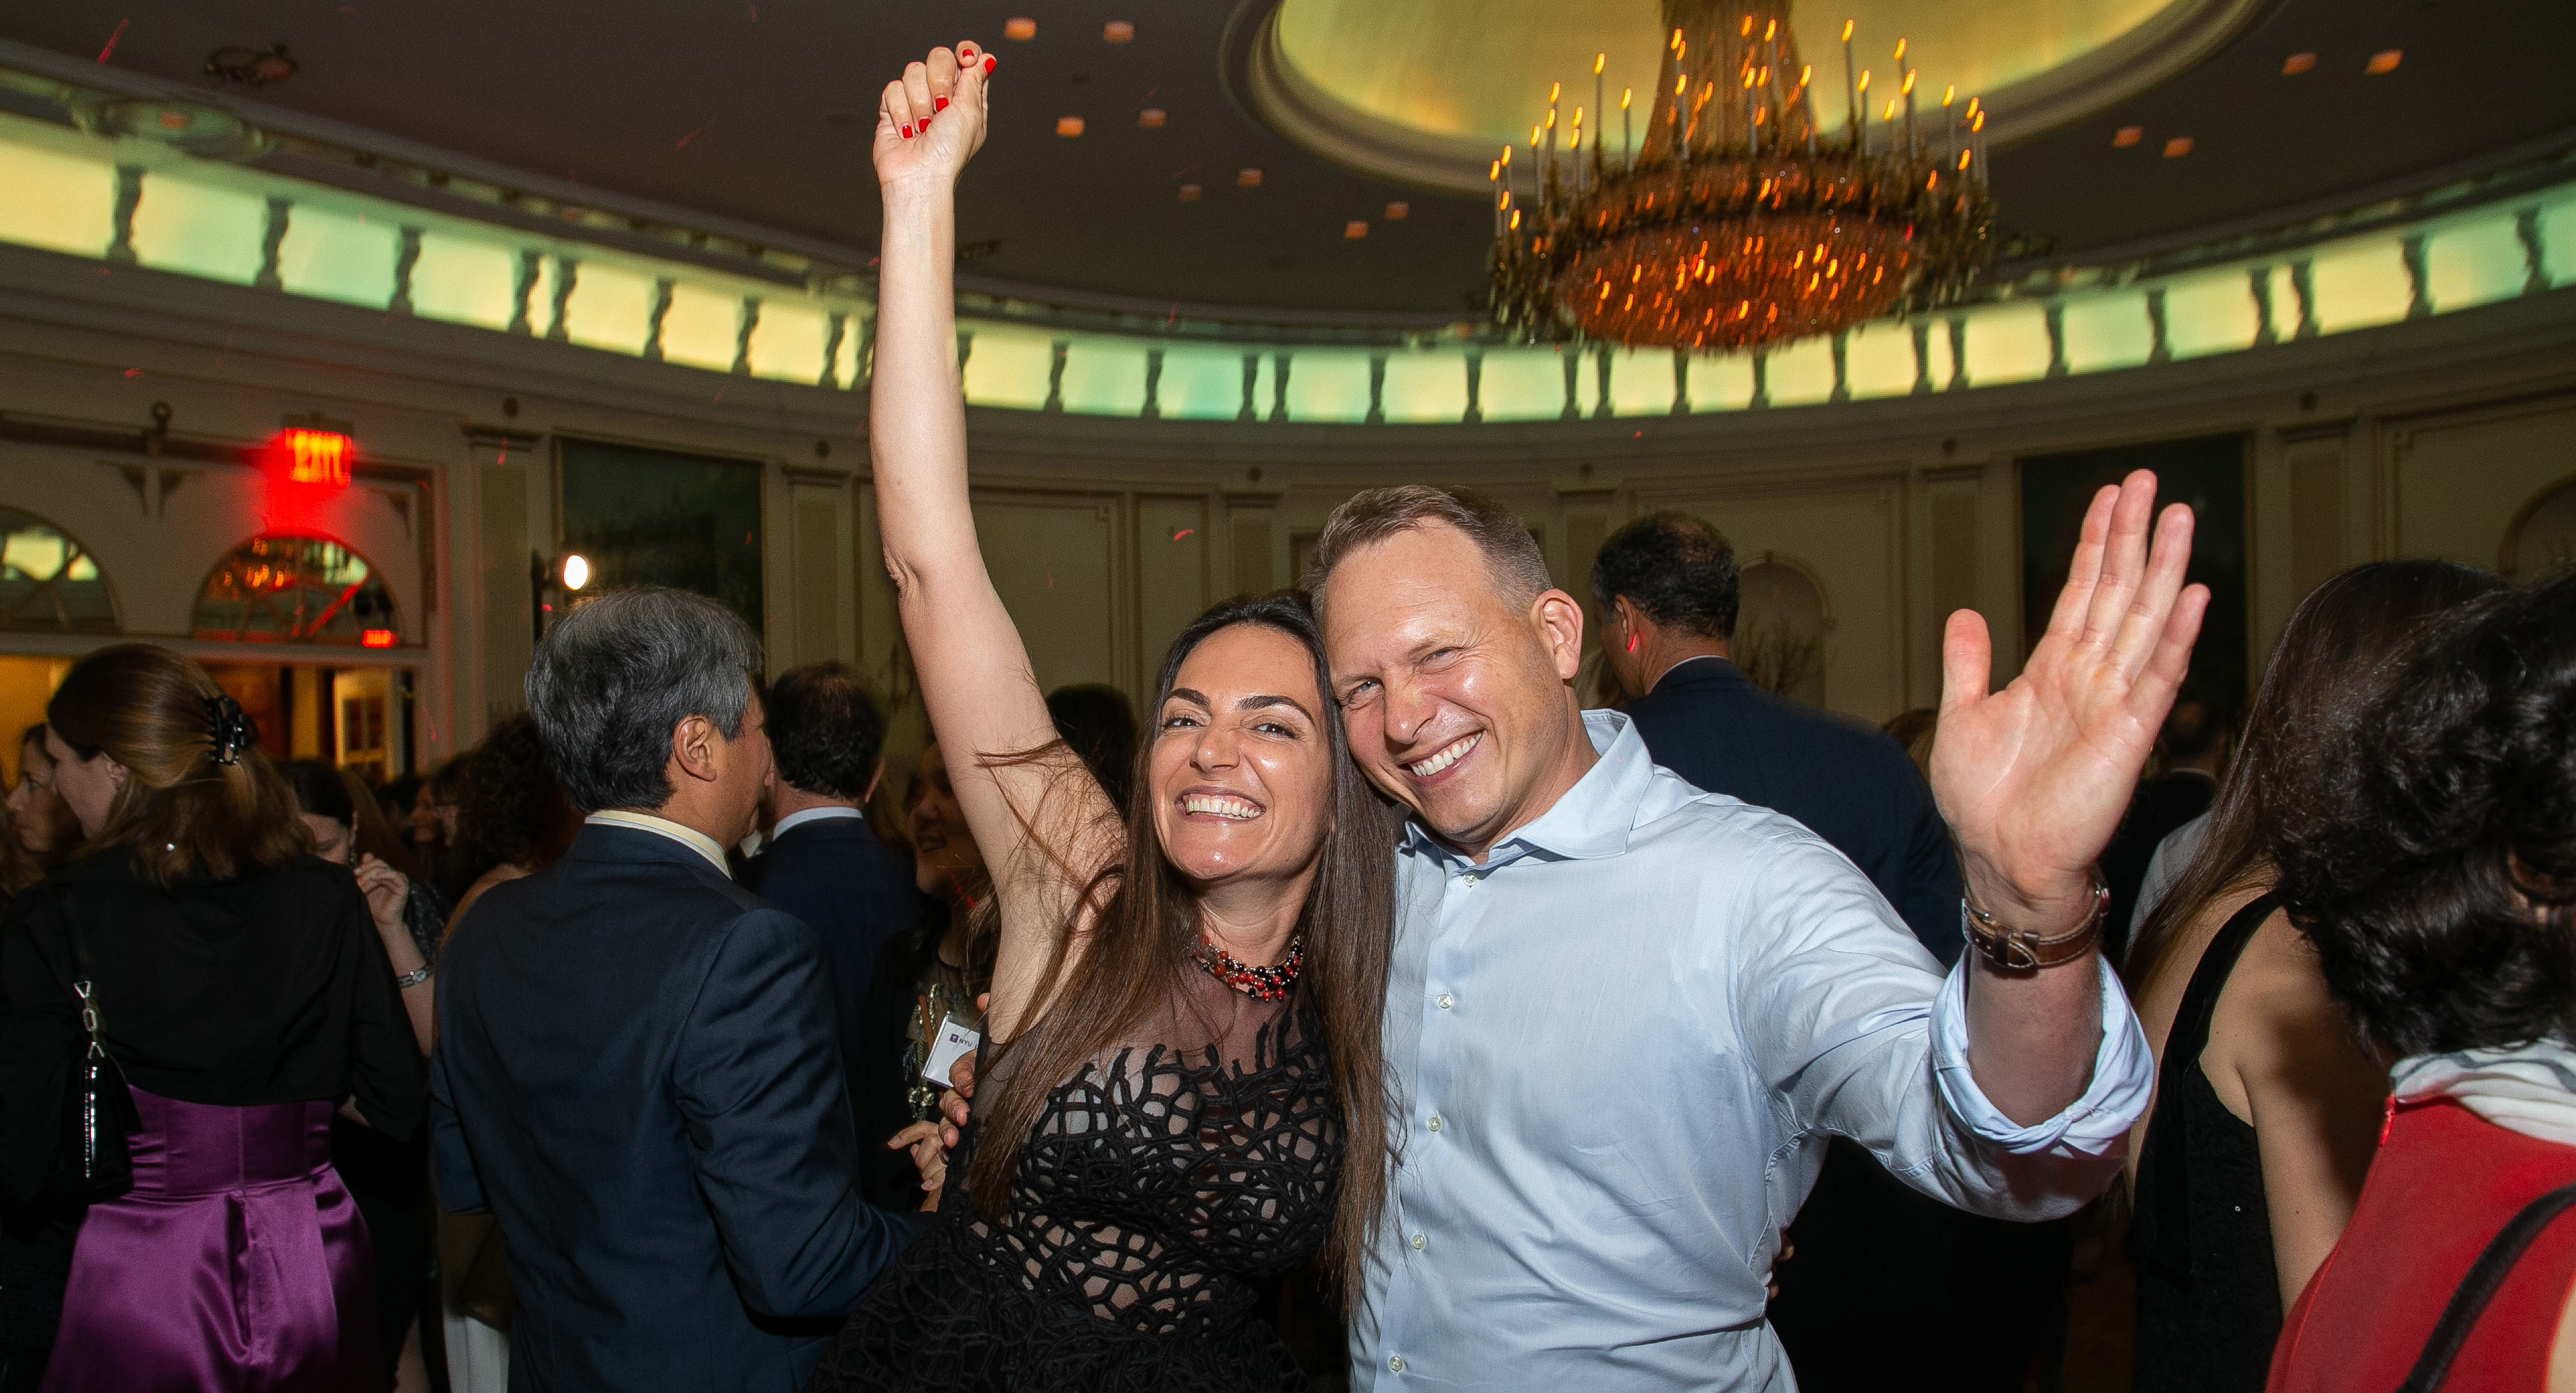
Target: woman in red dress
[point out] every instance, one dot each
(2435, 869)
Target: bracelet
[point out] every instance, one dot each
(413, 978)
(2020, 950)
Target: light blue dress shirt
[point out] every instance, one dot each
(1617, 1048)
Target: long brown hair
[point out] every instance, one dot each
(151, 710)
(2340, 647)
(1146, 922)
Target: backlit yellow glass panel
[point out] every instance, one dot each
(2006, 343)
(1587, 380)
(2210, 312)
(2108, 330)
(1721, 384)
(2473, 262)
(787, 343)
(1879, 360)
(610, 307)
(1202, 382)
(56, 201)
(337, 255)
(1522, 384)
(1105, 377)
(2359, 283)
(464, 279)
(700, 330)
(845, 362)
(199, 227)
(1008, 367)
(1641, 381)
(1801, 373)
(1328, 385)
(1425, 386)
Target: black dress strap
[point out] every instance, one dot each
(2168, 1242)
(2495, 1263)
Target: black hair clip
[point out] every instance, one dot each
(234, 730)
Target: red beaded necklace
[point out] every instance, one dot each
(1259, 983)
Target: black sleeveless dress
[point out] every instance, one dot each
(2209, 1299)
(1163, 1187)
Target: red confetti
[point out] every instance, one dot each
(1184, 532)
(684, 140)
(134, 372)
(755, 11)
(112, 38)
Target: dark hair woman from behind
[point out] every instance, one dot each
(2266, 1111)
(512, 818)
(239, 983)
(2432, 859)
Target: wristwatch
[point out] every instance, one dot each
(2020, 950)
(413, 978)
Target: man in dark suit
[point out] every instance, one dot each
(637, 1070)
(822, 863)
(1887, 1288)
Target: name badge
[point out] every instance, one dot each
(952, 1042)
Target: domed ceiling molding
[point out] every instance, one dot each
(1267, 78)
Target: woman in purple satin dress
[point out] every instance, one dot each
(244, 992)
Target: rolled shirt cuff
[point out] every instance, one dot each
(2097, 1124)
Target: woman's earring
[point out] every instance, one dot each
(1632, 643)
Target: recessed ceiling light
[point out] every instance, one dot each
(2127, 136)
(1354, 230)
(1022, 29)
(2384, 61)
(2177, 147)
(1190, 193)
(2297, 63)
(1247, 178)
(1068, 126)
(1117, 31)
(1151, 118)
(1398, 212)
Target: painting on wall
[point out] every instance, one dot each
(2207, 472)
(642, 516)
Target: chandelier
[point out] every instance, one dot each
(1737, 223)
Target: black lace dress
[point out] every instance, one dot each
(1161, 1190)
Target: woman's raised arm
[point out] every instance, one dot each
(1044, 826)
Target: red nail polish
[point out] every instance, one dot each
(939, 105)
(907, 132)
(988, 62)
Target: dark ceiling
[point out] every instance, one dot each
(760, 111)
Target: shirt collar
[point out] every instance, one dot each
(689, 837)
(795, 820)
(1593, 818)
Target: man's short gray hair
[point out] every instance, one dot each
(623, 668)
(1512, 558)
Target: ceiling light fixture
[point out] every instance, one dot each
(2384, 61)
(1151, 118)
(1398, 212)
(2127, 136)
(1068, 126)
(2297, 63)
(1735, 222)
(1190, 193)
(1021, 29)
(1354, 230)
(2177, 147)
(1117, 31)
(1247, 178)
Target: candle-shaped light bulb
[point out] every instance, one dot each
(1770, 30)
(1900, 50)
(1676, 44)
(1860, 113)
(1847, 28)
(1851, 94)
(1553, 89)
(1949, 127)
(1627, 144)
(1908, 88)
(1910, 143)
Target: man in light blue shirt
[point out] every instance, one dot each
(1623, 1014)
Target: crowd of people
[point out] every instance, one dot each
(1695, 1040)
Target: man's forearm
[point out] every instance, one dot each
(2033, 1036)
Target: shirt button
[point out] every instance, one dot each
(1435, 1122)
(1469, 880)
(1417, 1242)
(1395, 1363)
(1445, 1001)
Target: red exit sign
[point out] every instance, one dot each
(312, 457)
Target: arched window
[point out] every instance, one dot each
(2541, 541)
(1780, 629)
(48, 581)
(290, 589)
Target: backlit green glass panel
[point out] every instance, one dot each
(2359, 284)
(610, 308)
(2108, 331)
(1522, 384)
(2474, 262)
(1425, 386)
(335, 255)
(60, 202)
(1641, 381)
(1105, 377)
(1878, 360)
(1328, 384)
(787, 343)
(2210, 312)
(1801, 373)
(1201, 382)
(2007, 343)
(1008, 367)
(199, 227)
(2558, 236)
(464, 279)
(1721, 384)
(701, 328)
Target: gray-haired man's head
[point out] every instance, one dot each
(619, 672)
